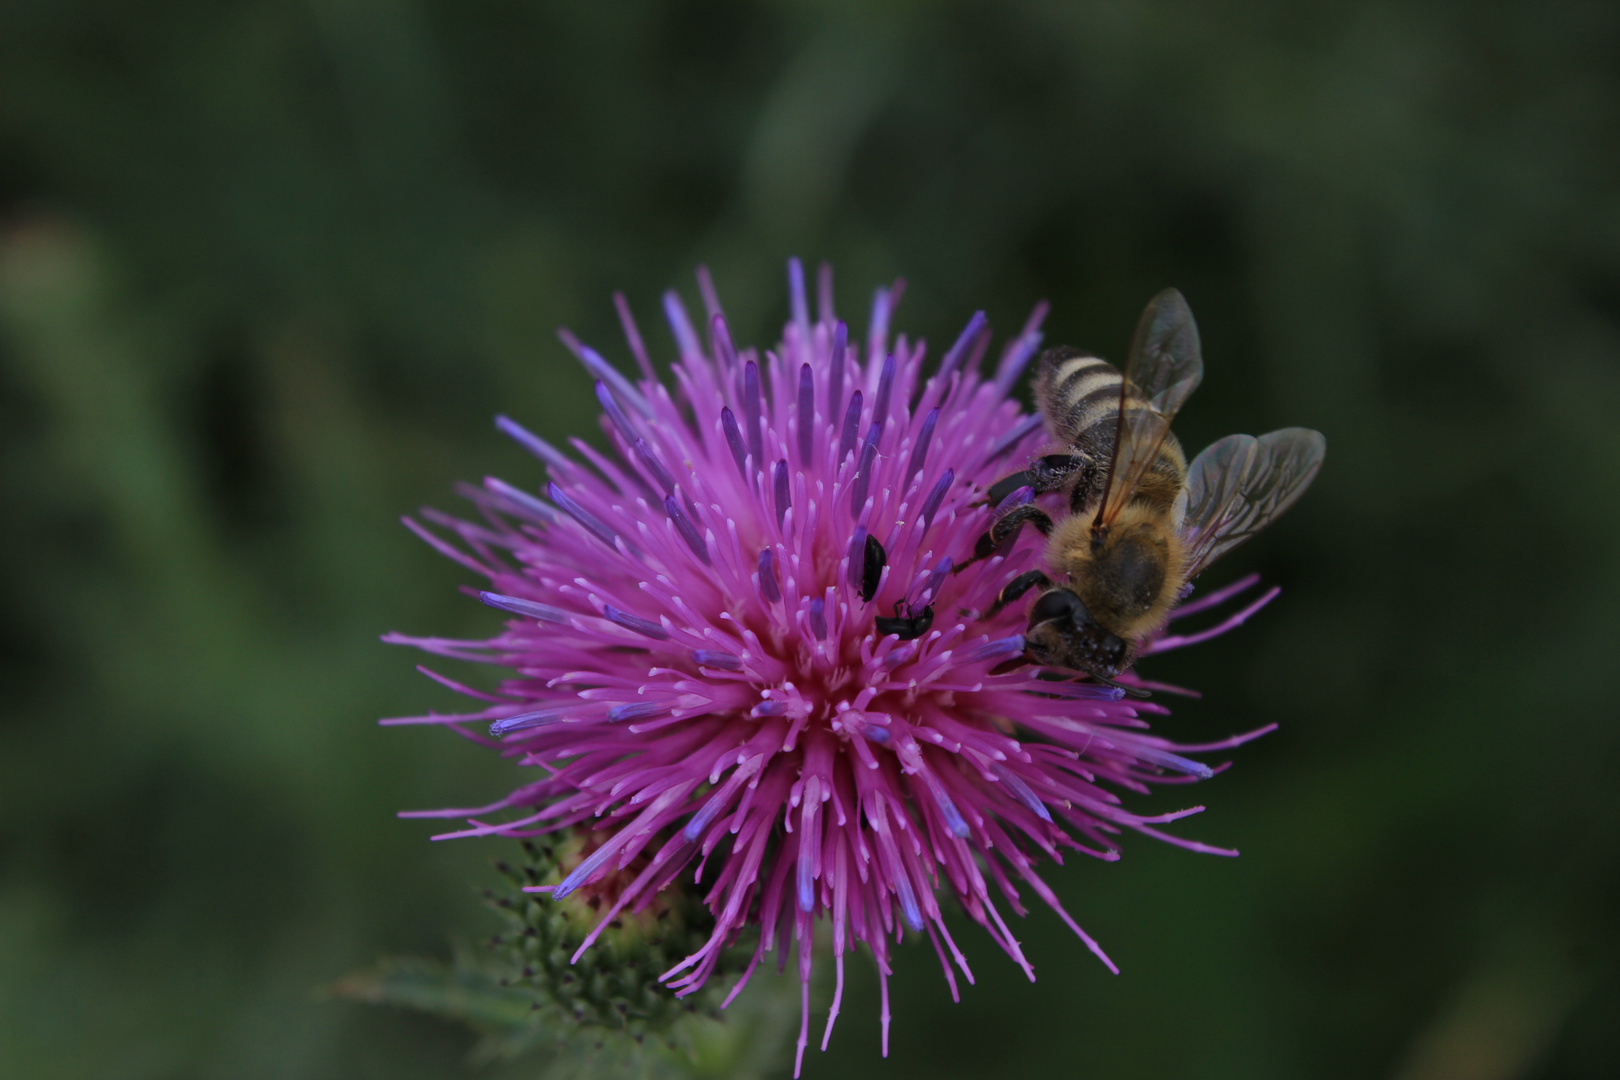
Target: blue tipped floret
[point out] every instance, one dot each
(780, 490)
(650, 462)
(807, 414)
(852, 428)
(644, 627)
(586, 519)
(713, 658)
(994, 651)
(610, 405)
(796, 295)
(533, 443)
(768, 585)
(1021, 791)
(835, 377)
(608, 374)
(908, 901)
(518, 606)
(641, 710)
(1015, 436)
(582, 873)
(751, 408)
(739, 454)
(953, 817)
(818, 618)
(688, 531)
(1173, 761)
(521, 499)
(919, 455)
(863, 470)
(880, 407)
(806, 883)
(857, 557)
(720, 334)
(686, 339)
(937, 496)
(964, 344)
(703, 818)
(524, 721)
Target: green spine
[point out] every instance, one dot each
(615, 983)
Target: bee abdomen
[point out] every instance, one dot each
(1076, 391)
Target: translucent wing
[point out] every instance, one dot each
(1239, 484)
(1165, 366)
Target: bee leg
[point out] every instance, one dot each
(1047, 474)
(1053, 471)
(1008, 524)
(1017, 587)
(1082, 493)
(1007, 485)
(1006, 528)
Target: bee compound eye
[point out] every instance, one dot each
(1106, 650)
(1057, 604)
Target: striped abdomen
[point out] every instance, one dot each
(1077, 393)
(1079, 396)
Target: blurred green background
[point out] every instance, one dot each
(268, 269)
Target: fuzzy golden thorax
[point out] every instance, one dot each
(1126, 574)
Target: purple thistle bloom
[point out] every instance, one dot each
(701, 669)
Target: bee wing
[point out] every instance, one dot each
(1239, 484)
(1165, 366)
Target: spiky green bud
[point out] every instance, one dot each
(614, 984)
(607, 1013)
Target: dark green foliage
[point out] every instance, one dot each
(750, 1040)
(464, 990)
(267, 269)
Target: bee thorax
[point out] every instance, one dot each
(1129, 580)
(1128, 575)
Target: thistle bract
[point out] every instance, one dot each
(615, 984)
(739, 653)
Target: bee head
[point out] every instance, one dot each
(1062, 633)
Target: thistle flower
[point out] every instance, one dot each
(739, 652)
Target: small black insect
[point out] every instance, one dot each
(872, 570)
(906, 627)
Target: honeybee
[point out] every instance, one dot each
(1142, 522)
